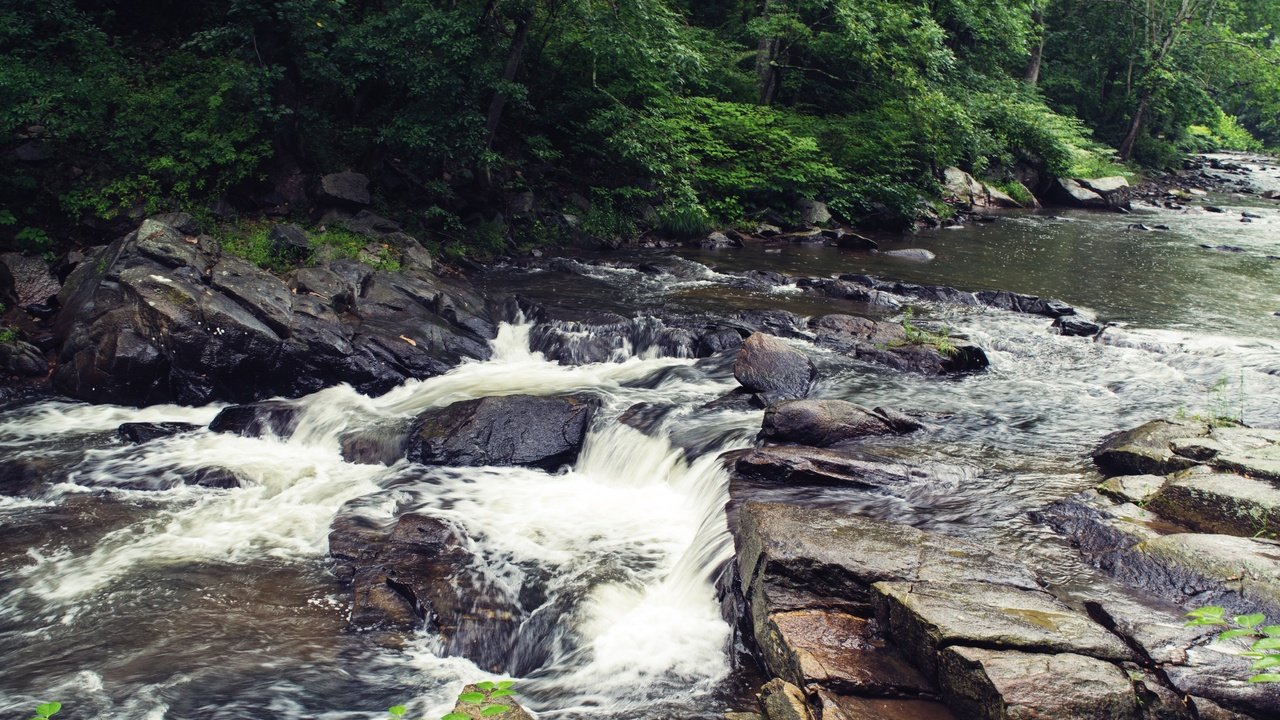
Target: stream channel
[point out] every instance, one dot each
(127, 594)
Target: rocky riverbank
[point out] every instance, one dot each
(849, 616)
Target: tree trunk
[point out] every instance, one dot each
(514, 58)
(1131, 137)
(1031, 75)
(768, 77)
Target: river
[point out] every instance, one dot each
(126, 594)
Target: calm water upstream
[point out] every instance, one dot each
(126, 595)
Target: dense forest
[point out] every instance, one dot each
(665, 115)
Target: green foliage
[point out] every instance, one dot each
(251, 241)
(335, 243)
(1264, 640)
(481, 701)
(8, 335)
(915, 335)
(44, 711)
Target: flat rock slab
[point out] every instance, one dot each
(1223, 503)
(1189, 658)
(836, 557)
(1147, 449)
(1135, 489)
(811, 466)
(843, 707)
(838, 651)
(1010, 685)
(1249, 566)
(926, 618)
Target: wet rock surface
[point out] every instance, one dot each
(161, 316)
(545, 432)
(820, 423)
(419, 572)
(770, 367)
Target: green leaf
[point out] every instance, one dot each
(1266, 662)
(491, 710)
(1207, 611)
(1271, 630)
(397, 710)
(487, 685)
(471, 697)
(1267, 643)
(1250, 621)
(1265, 678)
(502, 693)
(1239, 632)
(506, 684)
(1206, 621)
(48, 709)
(456, 716)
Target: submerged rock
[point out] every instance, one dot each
(545, 432)
(826, 422)
(420, 573)
(138, 433)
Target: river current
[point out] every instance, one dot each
(127, 594)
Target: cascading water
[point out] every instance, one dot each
(125, 593)
(631, 538)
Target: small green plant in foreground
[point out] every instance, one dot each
(46, 710)
(485, 699)
(1265, 645)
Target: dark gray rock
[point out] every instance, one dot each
(138, 433)
(821, 423)
(290, 243)
(769, 366)
(264, 295)
(1147, 449)
(419, 573)
(345, 189)
(269, 417)
(32, 282)
(787, 465)
(1074, 325)
(22, 359)
(544, 432)
(1027, 304)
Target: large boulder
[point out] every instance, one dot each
(1115, 190)
(545, 432)
(345, 189)
(32, 281)
(1068, 192)
(418, 572)
(770, 367)
(826, 422)
(22, 359)
(798, 466)
(161, 317)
